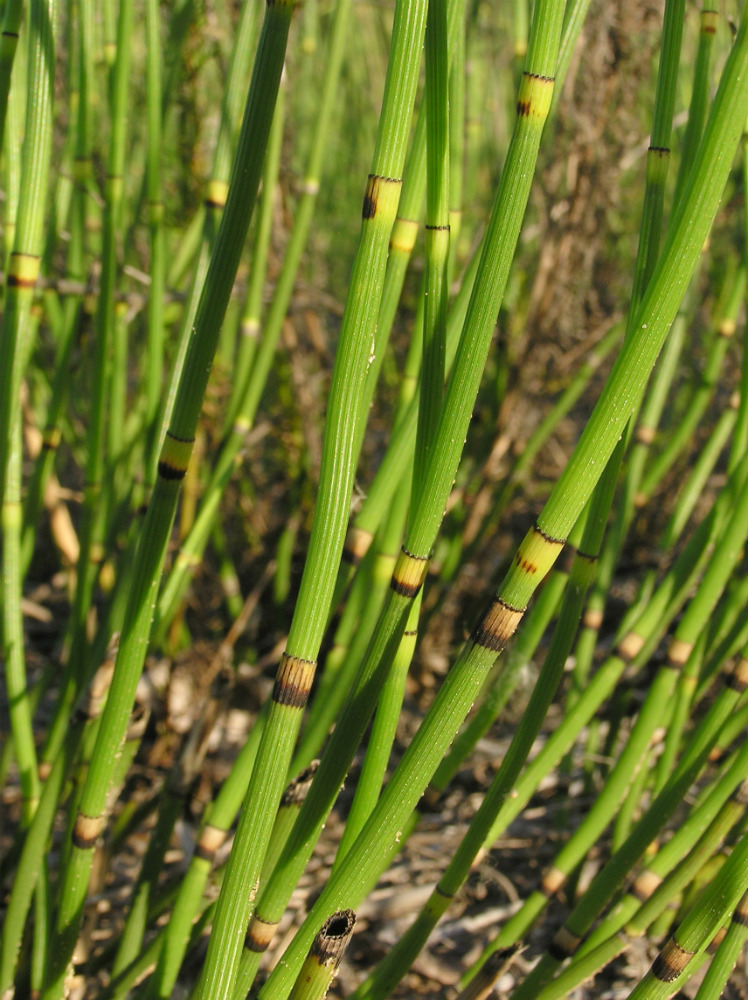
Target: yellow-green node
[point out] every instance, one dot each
(381, 198)
(404, 233)
(250, 328)
(535, 96)
(310, 186)
(175, 456)
(12, 516)
(409, 574)
(658, 161)
(23, 270)
(241, 426)
(709, 22)
(437, 242)
(537, 553)
(216, 193)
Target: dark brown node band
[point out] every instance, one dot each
(174, 456)
(86, 831)
(737, 679)
(586, 556)
(21, 280)
(167, 471)
(563, 945)
(294, 681)
(524, 107)
(404, 589)
(407, 580)
(369, 209)
(709, 20)
(740, 916)
(497, 626)
(548, 538)
(259, 935)
(671, 961)
(51, 439)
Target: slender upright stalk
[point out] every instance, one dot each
(15, 337)
(344, 414)
(172, 466)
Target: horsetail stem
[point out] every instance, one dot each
(405, 585)
(15, 335)
(727, 954)
(325, 955)
(541, 546)
(172, 465)
(437, 237)
(298, 664)
(698, 928)
(376, 595)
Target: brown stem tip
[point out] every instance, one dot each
(333, 938)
